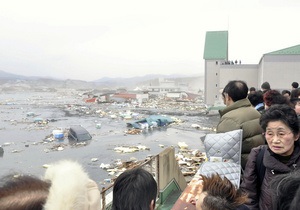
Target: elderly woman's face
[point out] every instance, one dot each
(280, 138)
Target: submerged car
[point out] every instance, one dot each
(79, 133)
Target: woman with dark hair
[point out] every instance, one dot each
(281, 155)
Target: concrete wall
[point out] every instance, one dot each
(245, 72)
(211, 82)
(169, 170)
(281, 70)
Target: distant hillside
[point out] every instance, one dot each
(150, 79)
(12, 82)
(5, 75)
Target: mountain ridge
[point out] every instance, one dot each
(8, 79)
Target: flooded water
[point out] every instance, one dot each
(27, 146)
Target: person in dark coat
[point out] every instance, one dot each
(281, 155)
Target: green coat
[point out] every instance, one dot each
(241, 115)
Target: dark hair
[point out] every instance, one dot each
(23, 192)
(256, 98)
(134, 189)
(266, 86)
(295, 85)
(272, 97)
(286, 91)
(221, 194)
(283, 113)
(286, 191)
(295, 96)
(252, 89)
(236, 89)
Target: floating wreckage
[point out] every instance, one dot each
(130, 149)
(151, 122)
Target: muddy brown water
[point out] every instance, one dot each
(26, 149)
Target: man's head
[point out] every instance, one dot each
(134, 189)
(256, 98)
(252, 90)
(265, 86)
(21, 192)
(235, 90)
(286, 94)
(219, 193)
(295, 85)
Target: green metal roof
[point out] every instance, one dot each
(295, 50)
(216, 45)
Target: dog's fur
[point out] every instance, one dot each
(71, 187)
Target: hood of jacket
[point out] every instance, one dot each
(71, 188)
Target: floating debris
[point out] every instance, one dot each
(60, 148)
(94, 159)
(134, 131)
(182, 145)
(46, 166)
(105, 166)
(16, 151)
(189, 161)
(130, 149)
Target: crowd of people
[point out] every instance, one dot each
(270, 146)
(270, 161)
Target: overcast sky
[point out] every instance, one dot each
(90, 39)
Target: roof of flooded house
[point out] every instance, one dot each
(216, 45)
(294, 50)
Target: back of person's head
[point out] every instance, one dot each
(65, 186)
(295, 94)
(220, 193)
(252, 89)
(286, 191)
(283, 113)
(236, 89)
(256, 98)
(134, 189)
(286, 92)
(295, 85)
(265, 86)
(272, 97)
(23, 192)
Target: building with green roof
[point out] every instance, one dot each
(280, 68)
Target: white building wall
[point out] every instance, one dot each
(281, 70)
(211, 82)
(245, 72)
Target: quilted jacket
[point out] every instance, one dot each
(273, 168)
(241, 115)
